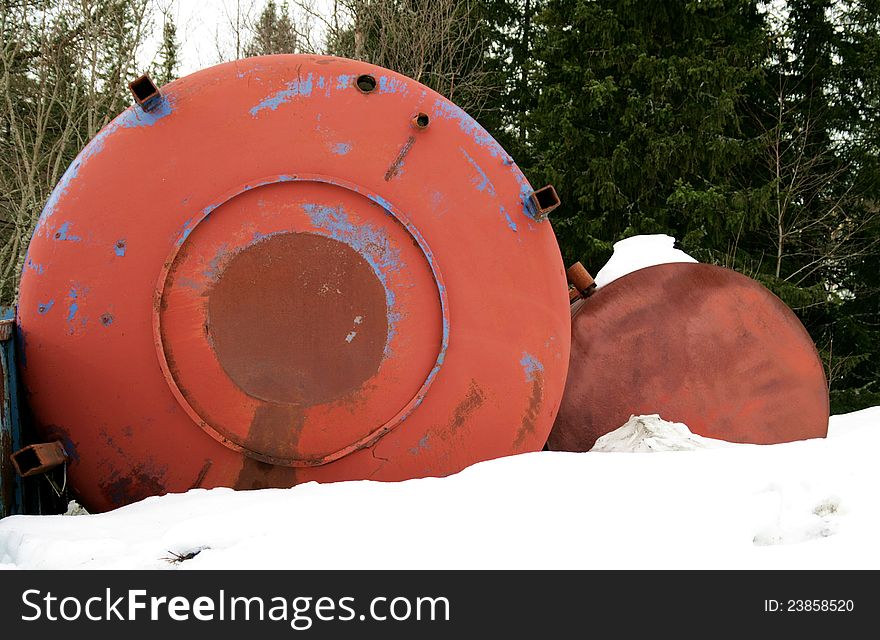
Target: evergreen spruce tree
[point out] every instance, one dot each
(274, 32)
(638, 120)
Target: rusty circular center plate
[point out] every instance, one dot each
(281, 313)
(698, 344)
(286, 306)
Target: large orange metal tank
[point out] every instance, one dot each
(698, 344)
(286, 269)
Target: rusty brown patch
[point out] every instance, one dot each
(255, 474)
(140, 482)
(530, 417)
(470, 403)
(298, 318)
(274, 430)
(394, 169)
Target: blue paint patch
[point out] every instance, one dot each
(532, 367)
(73, 307)
(443, 109)
(295, 88)
(321, 82)
(44, 307)
(382, 202)
(371, 243)
(510, 222)
(213, 270)
(119, 247)
(188, 229)
(189, 283)
(184, 236)
(33, 266)
(341, 148)
(482, 183)
(423, 444)
(393, 85)
(63, 233)
(448, 111)
(344, 81)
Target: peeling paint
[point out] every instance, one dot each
(448, 111)
(421, 446)
(482, 183)
(119, 247)
(188, 227)
(370, 242)
(213, 270)
(393, 85)
(443, 109)
(532, 367)
(341, 148)
(44, 307)
(34, 266)
(73, 307)
(295, 88)
(344, 81)
(63, 233)
(510, 222)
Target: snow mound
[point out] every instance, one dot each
(810, 504)
(637, 253)
(651, 433)
(848, 424)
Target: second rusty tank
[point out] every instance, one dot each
(697, 344)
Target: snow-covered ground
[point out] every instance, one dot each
(692, 503)
(809, 504)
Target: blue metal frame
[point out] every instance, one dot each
(10, 424)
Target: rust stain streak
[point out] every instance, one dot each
(202, 474)
(467, 406)
(398, 162)
(531, 415)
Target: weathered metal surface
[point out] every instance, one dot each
(277, 275)
(38, 458)
(697, 344)
(580, 280)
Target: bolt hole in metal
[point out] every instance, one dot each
(366, 83)
(421, 120)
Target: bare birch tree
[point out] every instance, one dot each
(436, 42)
(64, 70)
